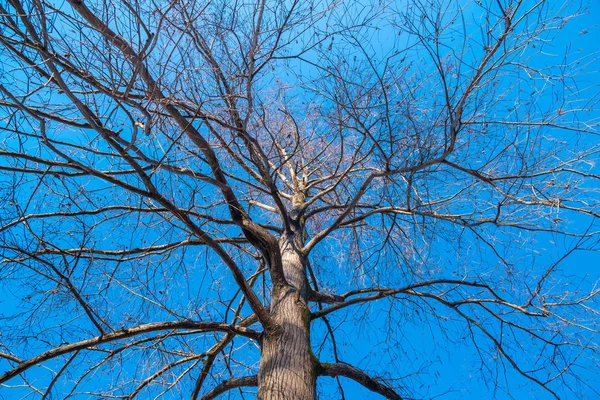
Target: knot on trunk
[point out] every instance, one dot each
(297, 222)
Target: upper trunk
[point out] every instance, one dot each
(286, 365)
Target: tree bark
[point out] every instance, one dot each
(287, 365)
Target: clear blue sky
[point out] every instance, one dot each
(434, 357)
(451, 369)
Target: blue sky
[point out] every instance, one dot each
(452, 369)
(434, 357)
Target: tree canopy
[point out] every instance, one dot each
(282, 197)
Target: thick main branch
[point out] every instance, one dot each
(348, 371)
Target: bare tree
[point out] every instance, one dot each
(206, 197)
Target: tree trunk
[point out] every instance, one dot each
(287, 368)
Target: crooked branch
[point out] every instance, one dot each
(123, 334)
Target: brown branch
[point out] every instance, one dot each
(381, 293)
(256, 234)
(322, 297)
(231, 384)
(348, 371)
(126, 333)
(10, 357)
(58, 375)
(497, 343)
(166, 368)
(212, 353)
